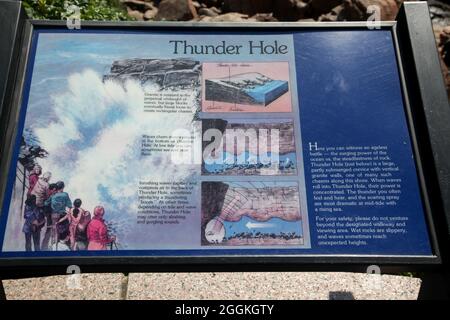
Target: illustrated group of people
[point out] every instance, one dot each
(48, 207)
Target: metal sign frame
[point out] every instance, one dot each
(428, 116)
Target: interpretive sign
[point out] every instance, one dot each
(234, 142)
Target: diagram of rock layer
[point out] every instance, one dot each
(251, 213)
(258, 147)
(248, 88)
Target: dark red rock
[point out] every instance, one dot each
(150, 14)
(227, 17)
(135, 14)
(333, 15)
(290, 10)
(264, 17)
(357, 10)
(207, 12)
(176, 10)
(319, 7)
(138, 5)
(249, 7)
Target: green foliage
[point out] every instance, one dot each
(89, 9)
(412, 274)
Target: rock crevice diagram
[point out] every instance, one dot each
(246, 213)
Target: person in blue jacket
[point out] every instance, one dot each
(58, 204)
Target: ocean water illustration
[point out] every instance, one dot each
(266, 164)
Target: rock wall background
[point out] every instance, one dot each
(258, 10)
(289, 10)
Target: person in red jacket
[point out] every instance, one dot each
(97, 232)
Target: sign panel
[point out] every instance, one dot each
(187, 143)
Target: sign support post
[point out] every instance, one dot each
(12, 18)
(2, 291)
(431, 114)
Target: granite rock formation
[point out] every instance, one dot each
(167, 73)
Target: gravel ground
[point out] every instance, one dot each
(217, 286)
(89, 287)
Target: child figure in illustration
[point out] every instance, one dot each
(74, 216)
(81, 240)
(34, 221)
(97, 232)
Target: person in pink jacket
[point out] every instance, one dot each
(34, 177)
(41, 189)
(97, 232)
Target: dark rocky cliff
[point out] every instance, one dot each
(163, 72)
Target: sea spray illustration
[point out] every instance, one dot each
(93, 139)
